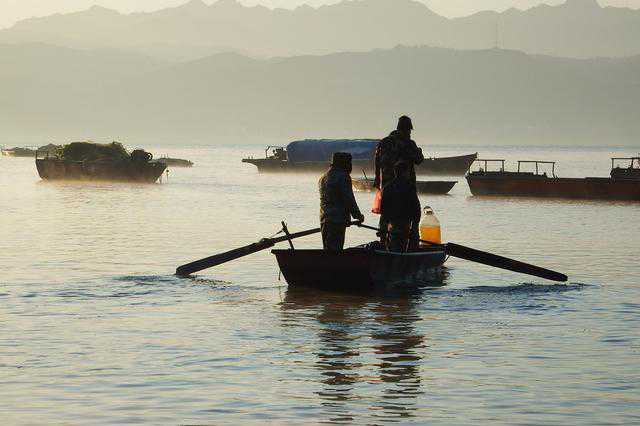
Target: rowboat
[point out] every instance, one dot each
(623, 183)
(367, 266)
(423, 187)
(361, 267)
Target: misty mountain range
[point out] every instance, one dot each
(578, 28)
(464, 96)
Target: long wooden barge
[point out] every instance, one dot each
(623, 183)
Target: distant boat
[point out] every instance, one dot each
(623, 183)
(18, 152)
(423, 187)
(86, 161)
(174, 162)
(28, 151)
(314, 155)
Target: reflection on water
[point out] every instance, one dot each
(369, 350)
(96, 326)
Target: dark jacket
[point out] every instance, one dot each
(392, 149)
(337, 202)
(400, 202)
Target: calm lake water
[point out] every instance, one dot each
(96, 329)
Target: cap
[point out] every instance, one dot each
(404, 123)
(341, 159)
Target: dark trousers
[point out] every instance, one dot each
(398, 235)
(414, 232)
(333, 236)
(382, 229)
(414, 235)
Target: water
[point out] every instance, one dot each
(96, 329)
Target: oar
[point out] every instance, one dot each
(218, 259)
(494, 260)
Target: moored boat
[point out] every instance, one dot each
(18, 152)
(314, 155)
(174, 162)
(360, 267)
(29, 151)
(623, 183)
(446, 166)
(86, 161)
(423, 187)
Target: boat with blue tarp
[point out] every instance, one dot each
(314, 155)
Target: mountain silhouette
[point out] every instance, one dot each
(475, 96)
(577, 28)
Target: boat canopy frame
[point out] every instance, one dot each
(501, 161)
(538, 163)
(486, 162)
(633, 160)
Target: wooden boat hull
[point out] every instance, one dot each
(121, 171)
(445, 166)
(510, 184)
(423, 187)
(359, 268)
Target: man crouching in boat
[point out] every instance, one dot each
(400, 210)
(337, 202)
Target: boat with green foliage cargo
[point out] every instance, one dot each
(623, 183)
(314, 155)
(88, 161)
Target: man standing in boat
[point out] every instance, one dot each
(397, 147)
(337, 202)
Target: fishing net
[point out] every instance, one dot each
(89, 151)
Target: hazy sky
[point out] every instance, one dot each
(14, 10)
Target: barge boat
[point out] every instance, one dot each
(623, 183)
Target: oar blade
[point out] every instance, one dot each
(494, 260)
(218, 259)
